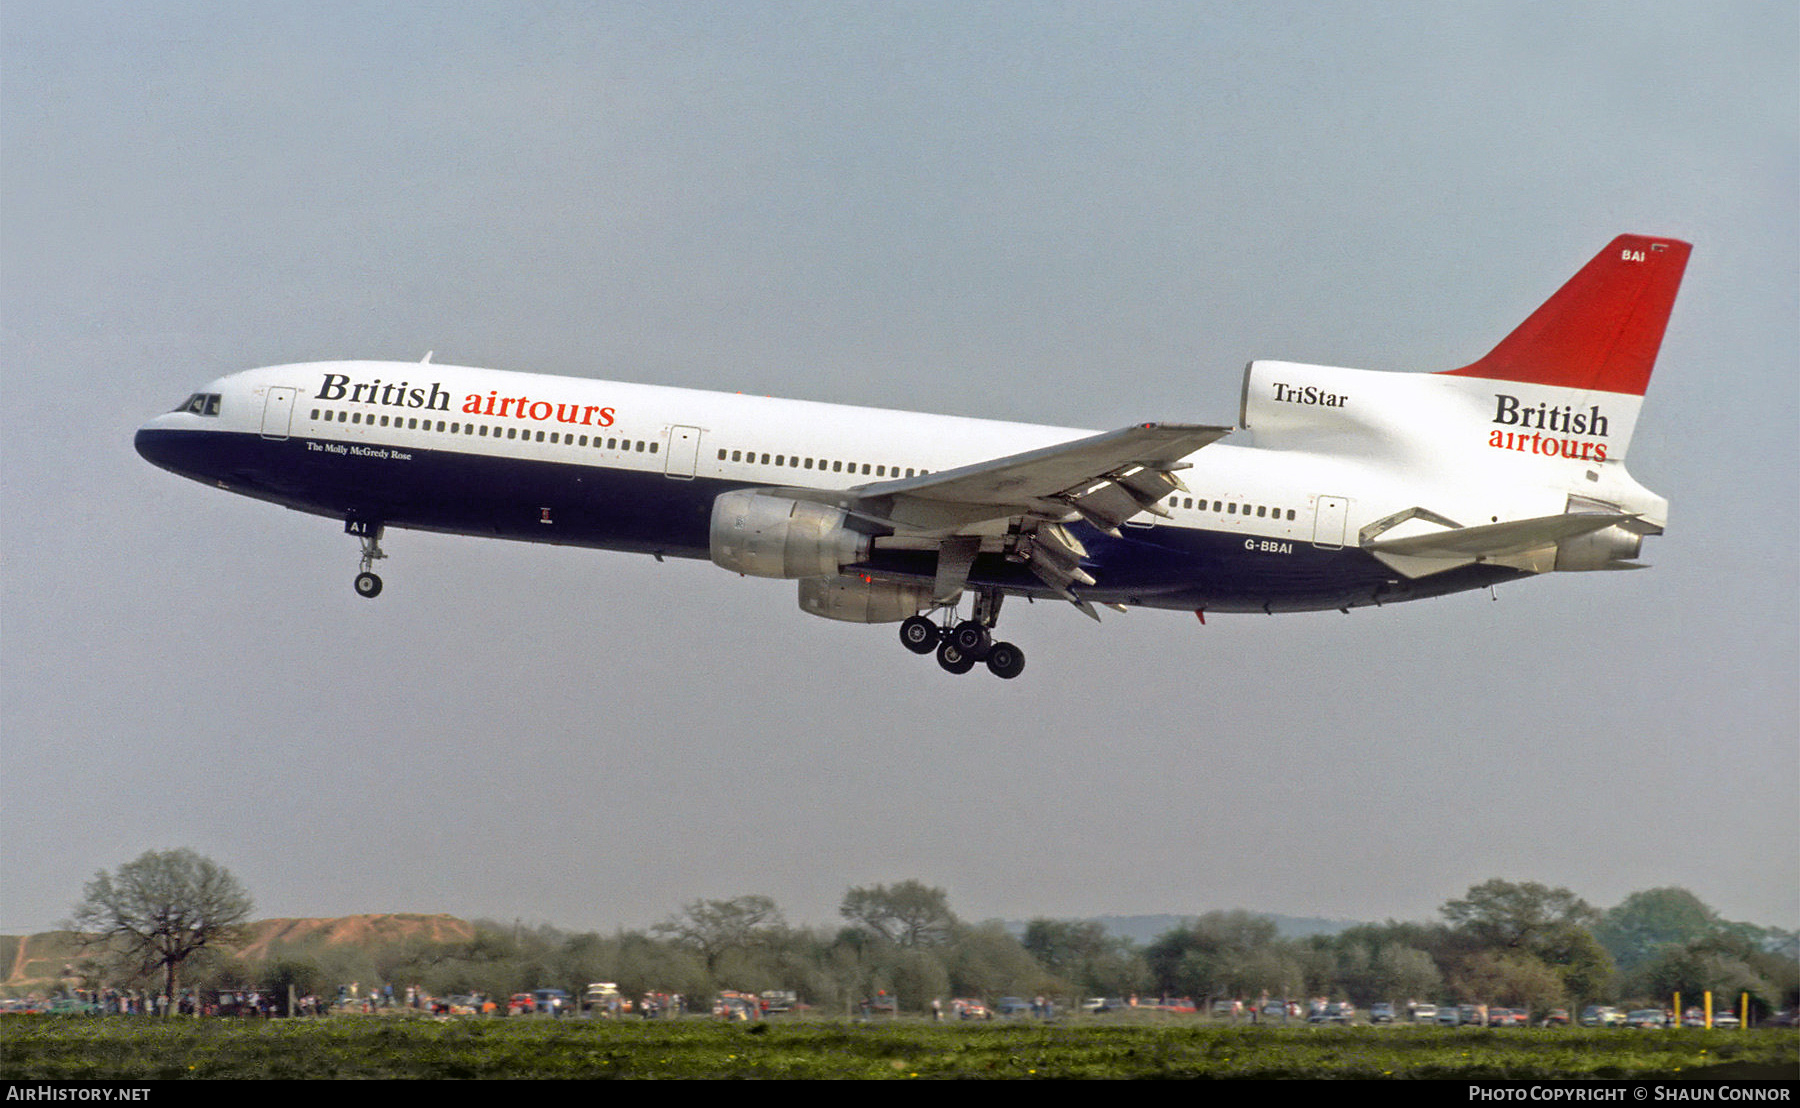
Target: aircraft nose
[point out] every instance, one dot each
(151, 447)
(165, 448)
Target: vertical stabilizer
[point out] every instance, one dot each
(1601, 331)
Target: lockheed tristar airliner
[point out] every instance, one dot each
(1359, 487)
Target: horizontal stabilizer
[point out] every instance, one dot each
(1499, 540)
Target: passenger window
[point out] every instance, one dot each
(1261, 511)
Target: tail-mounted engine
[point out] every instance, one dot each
(1608, 548)
(761, 535)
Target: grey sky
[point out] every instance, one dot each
(1075, 214)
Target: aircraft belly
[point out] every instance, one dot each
(532, 500)
(1231, 571)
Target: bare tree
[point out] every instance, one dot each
(715, 927)
(910, 913)
(162, 909)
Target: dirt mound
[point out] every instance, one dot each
(37, 961)
(372, 930)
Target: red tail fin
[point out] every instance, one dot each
(1602, 329)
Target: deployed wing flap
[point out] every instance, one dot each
(1022, 501)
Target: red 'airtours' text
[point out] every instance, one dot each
(524, 407)
(1573, 449)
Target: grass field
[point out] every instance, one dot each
(44, 1047)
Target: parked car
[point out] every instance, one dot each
(1556, 1017)
(1647, 1019)
(69, 1006)
(1424, 1013)
(969, 1008)
(1338, 1011)
(1180, 1005)
(520, 1004)
(1598, 1015)
(1013, 1006)
(1381, 1012)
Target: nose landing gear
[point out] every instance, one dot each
(959, 645)
(368, 583)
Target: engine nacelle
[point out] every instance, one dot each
(1602, 549)
(774, 536)
(856, 599)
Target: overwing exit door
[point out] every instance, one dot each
(683, 451)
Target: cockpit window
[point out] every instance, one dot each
(201, 403)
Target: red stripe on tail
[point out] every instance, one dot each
(1602, 329)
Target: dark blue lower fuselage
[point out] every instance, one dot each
(645, 511)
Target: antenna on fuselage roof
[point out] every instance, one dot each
(426, 360)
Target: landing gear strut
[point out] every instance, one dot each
(368, 583)
(959, 645)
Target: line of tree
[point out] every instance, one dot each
(1503, 943)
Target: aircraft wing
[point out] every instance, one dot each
(1066, 470)
(1021, 502)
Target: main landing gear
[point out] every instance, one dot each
(368, 583)
(960, 645)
